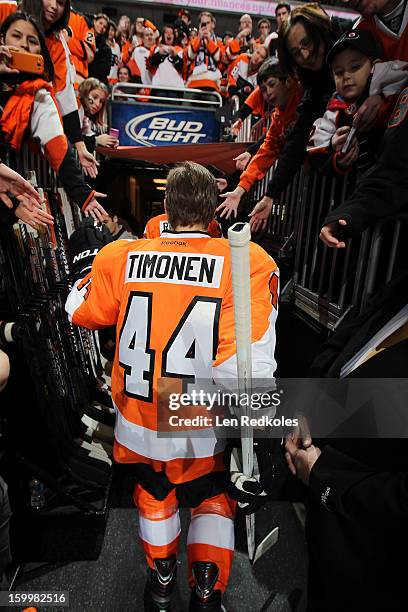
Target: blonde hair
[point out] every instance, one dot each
(84, 90)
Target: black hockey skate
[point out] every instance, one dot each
(203, 597)
(160, 585)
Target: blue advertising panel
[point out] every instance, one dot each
(156, 125)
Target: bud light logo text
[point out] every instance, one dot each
(161, 128)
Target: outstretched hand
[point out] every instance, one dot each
(260, 215)
(328, 234)
(242, 160)
(33, 215)
(95, 209)
(231, 202)
(14, 184)
(86, 159)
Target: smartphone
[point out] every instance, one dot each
(350, 137)
(27, 62)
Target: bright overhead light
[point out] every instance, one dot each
(163, 188)
(160, 181)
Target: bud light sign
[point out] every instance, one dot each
(151, 126)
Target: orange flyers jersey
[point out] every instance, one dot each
(394, 45)
(239, 67)
(172, 303)
(7, 7)
(268, 153)
(159, 224)
(81, 41)
(256, 101)
(64, 73)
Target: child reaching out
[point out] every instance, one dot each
(358, 73)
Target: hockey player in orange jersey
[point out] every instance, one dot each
(171, 300)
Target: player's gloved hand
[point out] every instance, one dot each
(251, 492)
(85, 243)
(247, 491)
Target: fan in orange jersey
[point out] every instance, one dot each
(204, 56)
(242, 72)
(54, 17)
(81, 43)
(388, 22)
(258, 102)
(171, 300)
(6, 8)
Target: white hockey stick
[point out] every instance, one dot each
(239, 236)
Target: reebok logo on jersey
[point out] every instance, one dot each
(203, 270)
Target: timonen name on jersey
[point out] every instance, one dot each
(183, 268)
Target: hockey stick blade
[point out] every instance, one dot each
(267, 543)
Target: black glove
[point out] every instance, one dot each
(84, 244)
(252, 492)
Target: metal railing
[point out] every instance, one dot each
(137, 92)
(244, 134)
(327, 283)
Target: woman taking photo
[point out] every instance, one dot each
(29, 108)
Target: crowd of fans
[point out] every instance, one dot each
(287, 71)
(85, 55)
(182, 54)
(317, 76)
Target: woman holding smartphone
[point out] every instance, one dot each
(52, 17)
(29, 106)
(93, 96)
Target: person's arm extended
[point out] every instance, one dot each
(243, 112)
(357, 492)
(265, 156)
(293, 153)
(47, 129)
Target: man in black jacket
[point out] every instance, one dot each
(358, 488)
